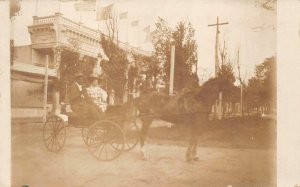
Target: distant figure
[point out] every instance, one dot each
(80, 102)
(96, 93)
(112, 97)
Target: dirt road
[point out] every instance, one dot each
(34, 166)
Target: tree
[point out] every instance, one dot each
(112, 29)
(185, 55)
(261, 89)
(185, 52)
(162, 38)
(115, 68)
(225, 73)
(147, 66)
(14, 8)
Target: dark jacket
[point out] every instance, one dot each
(81, 104)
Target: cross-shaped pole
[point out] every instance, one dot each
(216, 45)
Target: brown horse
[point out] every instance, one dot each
(190, 107)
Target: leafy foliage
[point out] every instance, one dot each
(14, 8)
(261, 89)
(162, 37)
(185, 52)
(70, 65)
(115, 68)
(147, 66)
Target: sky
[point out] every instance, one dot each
(251, 28)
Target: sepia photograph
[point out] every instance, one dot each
(143, 93)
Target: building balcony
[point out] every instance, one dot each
(56, 30)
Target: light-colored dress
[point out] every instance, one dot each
(99, 97)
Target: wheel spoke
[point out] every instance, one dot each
(52, 123)
(55, 143)
(104, 140)
(60, 140)
(105, 152)
(50, 141)
(59, 126)
(112, 148)
(54, 134)
(60, 137)
(102, 147)
(47, 138)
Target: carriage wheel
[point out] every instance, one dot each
(84, 133)
(132, 135)
(54, 134)
(103, 138)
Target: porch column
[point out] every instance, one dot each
(57, 60)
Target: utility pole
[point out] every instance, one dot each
(217, 44)
(240, 79)
(218, 104)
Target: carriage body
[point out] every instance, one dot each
(105, 139)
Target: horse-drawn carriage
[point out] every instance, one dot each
(108, 137)
(105, 139)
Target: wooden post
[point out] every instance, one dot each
(172, 66)
(216, 44)
(240, 79)
(36, 4)
(217, 62)
(220, 112)
(46, 88)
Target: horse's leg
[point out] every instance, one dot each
(203, 121)
(146, 123)
(191, 153)
(195, 143)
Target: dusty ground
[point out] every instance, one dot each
(233, 156)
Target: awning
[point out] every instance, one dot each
(28, 77)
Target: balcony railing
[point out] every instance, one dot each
(59, 19)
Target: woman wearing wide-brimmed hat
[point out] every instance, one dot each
(96, 93)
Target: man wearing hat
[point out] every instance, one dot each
(96, 93)
(80, 102)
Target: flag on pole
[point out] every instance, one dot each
(105, 13)
(86, 5)
(123, 15)
(147, 29)
(135, 23)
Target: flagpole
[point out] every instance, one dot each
(80, 15)
(59, 3)
(139, 34)
(97, 8)
(127, 30)
(36, 4)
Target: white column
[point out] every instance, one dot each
(172, 66)
(57, 60)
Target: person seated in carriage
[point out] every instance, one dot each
(81, 104)
(96, 93)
